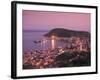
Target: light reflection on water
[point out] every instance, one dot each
(29, 38)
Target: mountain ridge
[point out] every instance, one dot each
(61, 32)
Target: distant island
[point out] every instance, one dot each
(61, 32)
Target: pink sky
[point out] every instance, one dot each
(42, 20)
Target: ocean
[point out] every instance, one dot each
(30, 39)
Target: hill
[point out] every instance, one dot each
(61, 32)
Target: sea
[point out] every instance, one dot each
(31, 41)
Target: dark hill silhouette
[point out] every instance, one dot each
(61, 32)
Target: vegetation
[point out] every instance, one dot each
(61, 32)
(74, 59)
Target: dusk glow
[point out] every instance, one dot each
(55, 39)
(45, 20)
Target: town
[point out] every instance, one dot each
(74, 51)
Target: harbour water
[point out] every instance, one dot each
(31, 41)
(28, 40)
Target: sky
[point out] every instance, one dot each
(47, 20)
